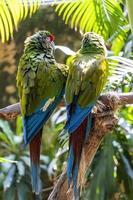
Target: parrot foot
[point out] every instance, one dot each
(109, 106)
(113, 100)
(103, 114)
(100, 107)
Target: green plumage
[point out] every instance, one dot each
(87, 76)
(41, 83)
(88, 71)
(39, 76)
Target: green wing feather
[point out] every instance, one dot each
(87, 77)
(36, 80)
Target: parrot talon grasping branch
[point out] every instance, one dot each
(41, 83)
(88, 72)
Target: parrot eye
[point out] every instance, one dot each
(51, 37)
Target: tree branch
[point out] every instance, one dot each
(104, 121)
(12, 111)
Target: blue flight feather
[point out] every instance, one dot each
(35, 178)
(33, 123)
(70, 165)
(76, 118)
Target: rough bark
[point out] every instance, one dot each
(12, 111)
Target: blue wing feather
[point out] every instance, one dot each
(33, 123)
(76, 118)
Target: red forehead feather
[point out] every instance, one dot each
(52, 37)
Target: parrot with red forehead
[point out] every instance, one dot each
(88, 72)
(41, 82)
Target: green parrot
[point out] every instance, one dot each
(88, 73)
(41, 85)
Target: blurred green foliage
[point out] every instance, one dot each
(111, 173)
(15, 165)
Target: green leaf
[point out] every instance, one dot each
(3, 160)
(128, 167)
(99, 16)
(21, 168)
(102, 184)
(22, 189)
(4, 125)
(9, 194)
(3, 138)
(130, 14)
(19, 126)
(12, 12)
(9, 178)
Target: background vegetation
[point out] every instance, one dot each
(111, 173)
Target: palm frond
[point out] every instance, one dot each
(119, 66)
(12, 12)
(130, 15)
(101, 16)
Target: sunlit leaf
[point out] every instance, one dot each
(12, 12)
(19, 126)
(3, 160)
(99, 16)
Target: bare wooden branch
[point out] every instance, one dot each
(12, 111)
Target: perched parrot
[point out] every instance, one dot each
(88, 72)
(41, 85)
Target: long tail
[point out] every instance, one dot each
(76, 142)
(35, 145)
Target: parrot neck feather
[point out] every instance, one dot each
(93, 51)
(36, 50)
(45, 54)
(93, 43)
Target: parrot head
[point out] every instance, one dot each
(42, 40)
(93, 43)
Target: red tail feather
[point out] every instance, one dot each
(35, 148)
(76, 140)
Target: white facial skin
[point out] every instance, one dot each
(47, 43)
